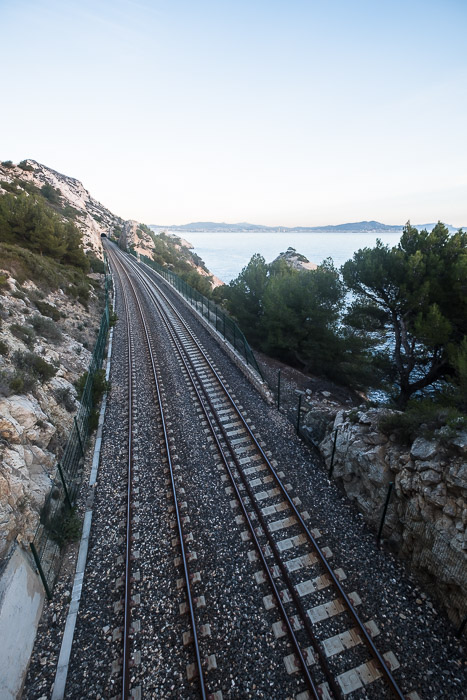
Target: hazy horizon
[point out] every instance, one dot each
(297, 114)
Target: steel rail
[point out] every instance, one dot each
(184, 558)
(127, 596)
(335, 582)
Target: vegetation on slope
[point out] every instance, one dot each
(26, 220)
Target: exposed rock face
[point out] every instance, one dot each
(34, 425)
(134, 235)
(427, 516)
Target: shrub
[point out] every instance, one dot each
(22, 382)
(64, 397)
(30, 362)
(9, 186)
(63, 526)
(99, 386)
(24, 333)
(80, 292)
(51, 193)
(3, 348)
(3, 280)
(8, 164)
(47, 328)
(47, 309)
(113, 318)
(5, 383)
(97, 265)
(24, 166)
(424, 418)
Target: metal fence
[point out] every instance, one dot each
(213, 314)
(51, 531)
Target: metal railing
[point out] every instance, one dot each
(213, 314)
(51, 531)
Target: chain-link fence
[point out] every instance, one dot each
(56, 519)
(213, 314)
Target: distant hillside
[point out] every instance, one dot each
(365, 226)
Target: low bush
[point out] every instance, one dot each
(64, 397)
(5, 383)
(21, 382)
(25, 166)
(113, 318)
(424, 418)
(24, 333)
(9, 186)
(46, 328)
(31, 363)
(80, 292)
(47, 309)
(8, 164)
(97, 265)
(4, 349)
(63, 526)
(51, 193)
(99, 385)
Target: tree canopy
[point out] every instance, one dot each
(28, 221)
(417, 293)
(294, 315)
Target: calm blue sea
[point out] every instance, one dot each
(226, 254)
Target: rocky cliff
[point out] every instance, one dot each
(36, 412)
(426, 520)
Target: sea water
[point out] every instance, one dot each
(226, 254)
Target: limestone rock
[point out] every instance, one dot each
(423, 449)
(460, 441)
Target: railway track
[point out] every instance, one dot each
(332, 649)
(196, 669)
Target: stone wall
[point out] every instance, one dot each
(426, 520)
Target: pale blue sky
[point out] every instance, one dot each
(293, 112)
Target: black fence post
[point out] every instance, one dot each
(298, 413)
(40, 570)
(461, 628)
(278, 390)
(383, 517)
(65, 488)
(331, 468)
(79, 437)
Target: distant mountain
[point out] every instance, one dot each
(365, 226)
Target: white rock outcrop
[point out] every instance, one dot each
(427, 516)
